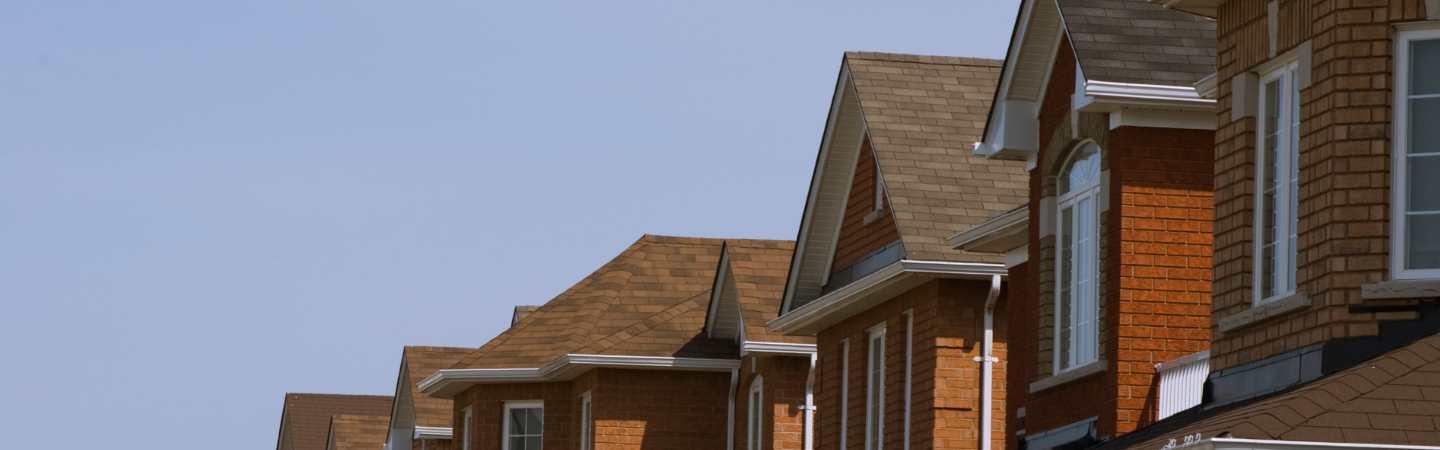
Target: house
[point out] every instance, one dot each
(418, 421)
(356, 432)
(1110, 257)
(305, 418)
(645, 352)
(907, 328)
(1327, 229)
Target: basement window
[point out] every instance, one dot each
(1415, 241)
(524, 425)
(1277, 177)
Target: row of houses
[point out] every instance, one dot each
(1180, 223)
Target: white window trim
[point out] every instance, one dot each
(879, 190)
(469, 429)
(520, 404)
(909, 358)
(755, 415)
(875, 413)
(1285, 271)
(1398, 155)
(844, 390)
(1069, 199)
(587, 418)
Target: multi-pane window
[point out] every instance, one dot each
(755, 419)
(1077, 295)
(524, 423)
(585, 420)
(1416, 250)
(1277, 180)
(875, 391)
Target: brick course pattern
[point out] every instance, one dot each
(783, 391)
(857, 238)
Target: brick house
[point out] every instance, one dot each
(305, 419)
(1327, 238)
(606, 364)
(418, 421)
(355, 432)
(900, 317)
(1109, 259)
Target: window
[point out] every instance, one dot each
(844, 391)
(909, 362)
(585, 421)
(1416, 240)
(875, 391)
(1076, 297)
(524, 423)
(755, 419)
(1277, 177)
(467, 429)
(879, 191)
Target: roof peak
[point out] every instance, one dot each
(924, 59)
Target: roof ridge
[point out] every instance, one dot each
(949, 60)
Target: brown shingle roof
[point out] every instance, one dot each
(759, 269)
(1393, 399)
(648, 301)
(1138, 41)
(305, 421)
(358, 432)
(924, 113)
(421, 362)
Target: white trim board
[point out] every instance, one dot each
(434, 432)
(448, 382)
(873, 289)
(776, 348)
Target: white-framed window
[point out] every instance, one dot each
(466, 429)
(524, 425)
(909, 363)
(755, 418)
(1277, 181)
(844, 391)
(879, 191)
(586, 419)
(875, 389)
(1077, 261)
(1415, 243)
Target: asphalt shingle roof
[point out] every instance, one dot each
(358, 432)
(759, 269)
(421, 362)
(924, 113)
(305, 421)
(1139, 41)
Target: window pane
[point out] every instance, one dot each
(533, 420)
(1423, 246)
(517, 421)
(1425, 67)
(1066, 298)
(517, 443)
(1423, 178)
(1424, 134)
(532, 443)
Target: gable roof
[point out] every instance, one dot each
(921, 115)
(421, 362)
(1393, 399)
(647, 301)
(357, 432)
(748, 288)
(305, 419)
(1136, 41)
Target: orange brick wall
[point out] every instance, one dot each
(487, 403)
(948, 320)
(1021, 316)
(783, 390)
(1344, 169)
(857, 238)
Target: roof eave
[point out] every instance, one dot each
(1267, 444)
(434, 432)
(449, 382)
(1000, 234)
(1106, 96)
(1203, 8)
(776, 348)
(837, 305)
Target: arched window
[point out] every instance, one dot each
(1077, 260)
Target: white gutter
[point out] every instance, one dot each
(987, 363)
(433, 433)
(564, 368)
(1265, 444)
(809, 405)
(776, 348)
(829, 307)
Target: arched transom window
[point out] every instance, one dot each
(1077, 260)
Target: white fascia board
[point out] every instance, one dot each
(831, 121)
(1150, 117)
(564, 363)
(993, 142)
(433, 433)
(776, 348)
(1207, 87)
(1106, 96)
(448, 382)
(807, 319)
(1259, 444)
(998, 228)
(1012, 131)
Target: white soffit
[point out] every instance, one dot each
(433, 433)
(776, 348)
(1010, 132)
(873, 289)
(1109, 96)
(1000, 234)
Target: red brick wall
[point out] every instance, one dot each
(857, 238)
(1021, 313)
(1344, 169)
(487, 403)
(948, 319)
(783, 390)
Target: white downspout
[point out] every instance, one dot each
(987, 363)
(730, 413)
(810, 406)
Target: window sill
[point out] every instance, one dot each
(875, 215)
(1263, 312)
(1068, 376)
(1398, 289)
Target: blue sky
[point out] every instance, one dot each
(206, 204)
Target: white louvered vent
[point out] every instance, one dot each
(1182, 382)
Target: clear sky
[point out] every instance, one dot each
(207, 204)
